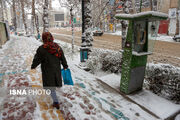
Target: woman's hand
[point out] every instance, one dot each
(66, 68)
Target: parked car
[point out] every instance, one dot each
(96, 31)
(21, 32)
(176, 38)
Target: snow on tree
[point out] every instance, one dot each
(37, 26)
(23, 15)
(87, 33)
(14, 15)
(73, 6)
(105, 60)
(45, 16)
(164, 80)
(2, 10)
(146, 4)
(97, 11)
(33, 16)
(126, 6)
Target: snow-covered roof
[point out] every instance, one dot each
(148, 14)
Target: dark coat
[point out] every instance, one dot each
(50, 66)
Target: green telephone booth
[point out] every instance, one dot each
(141, 36)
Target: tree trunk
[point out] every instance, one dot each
(72, 27)
(159, 5)
(37, 26)
(114, 13)
(177, 25)
(33, 16)
(124, 23)
(2, 10)
(45, 17)
(178, 19)
(87, 21)
(23, 15)
(151, 5)
(5, 9)
(134, 6)
(14, 15)
(140, 9)
(99, 17)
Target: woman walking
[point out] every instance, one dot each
(50, 56)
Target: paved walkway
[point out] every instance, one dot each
(14, 73)
(88, 99)
(13, 70)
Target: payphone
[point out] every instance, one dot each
(141, 36)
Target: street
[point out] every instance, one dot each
(164, 52)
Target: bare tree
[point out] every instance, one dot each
(178, 19)
(37, 26)
(73, 6)
(124, 23)
(45, 16)
(97, 12)
(33, 16)
(23, 15)
(98, 7)
(2, 10)
(14, 15)
(134, 6)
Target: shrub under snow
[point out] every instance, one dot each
(104, 60)
(162, 79)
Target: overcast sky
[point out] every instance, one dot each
(56, 5)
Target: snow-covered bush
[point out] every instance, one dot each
(106, 60)
(164, 80)
(161, 79)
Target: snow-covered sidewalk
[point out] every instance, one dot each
(88, 99)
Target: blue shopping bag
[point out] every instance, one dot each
(66, 75)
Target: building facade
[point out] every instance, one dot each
(171, 7)
(58, 18)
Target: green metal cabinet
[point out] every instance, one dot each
(142, 31)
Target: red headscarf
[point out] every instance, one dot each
(50, 46)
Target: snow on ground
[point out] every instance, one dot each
(177, 117)
(13, 70)
(107, 99)
(119, 33)
(160, 37)
(88, 99)
(115, 82)
(68, 28)
(165, 38)
(158, 105)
